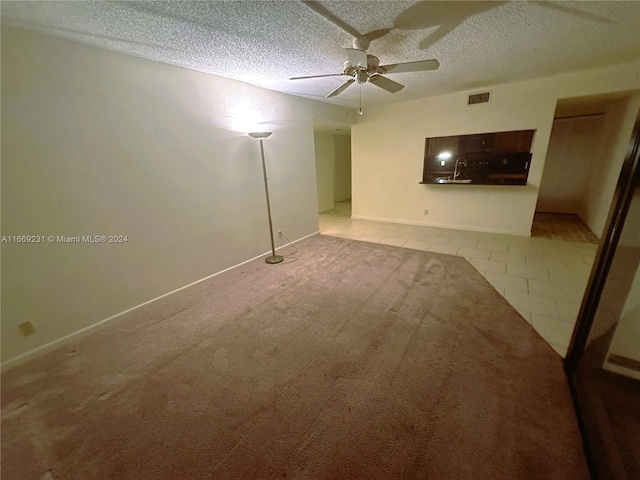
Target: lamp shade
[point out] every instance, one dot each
(260, 135)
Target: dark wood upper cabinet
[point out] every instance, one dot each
(499, 142)
(496, 158)
(512, 142)
(476, 143)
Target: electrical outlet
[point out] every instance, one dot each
(26, 329)
(426, 211)
(279, 233)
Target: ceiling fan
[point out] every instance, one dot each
(362, 67)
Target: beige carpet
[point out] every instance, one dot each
(353, 360)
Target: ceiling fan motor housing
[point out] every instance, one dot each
(361, 43)
(359, 73)
(373, 62)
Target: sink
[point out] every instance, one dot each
(450, 180)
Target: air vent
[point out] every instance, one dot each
(479, 98)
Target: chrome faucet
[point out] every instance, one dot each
(460, 162)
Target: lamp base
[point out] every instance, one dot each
(274, 259)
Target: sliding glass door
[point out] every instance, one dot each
(603, 362)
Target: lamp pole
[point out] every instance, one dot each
(261, 136)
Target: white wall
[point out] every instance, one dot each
(626, 340)
(325, 161)
(619, 119)
(572, 148)
(100, 143)
(342, 169)
(388, 149)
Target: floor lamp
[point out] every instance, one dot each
(261, 136)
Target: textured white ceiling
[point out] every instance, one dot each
(264, 43)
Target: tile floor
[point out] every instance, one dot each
(542, 278)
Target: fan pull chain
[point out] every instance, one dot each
(360, 111)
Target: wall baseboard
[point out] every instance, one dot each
(623, 366)
(74, 336)
(627, 372)
(518, 233)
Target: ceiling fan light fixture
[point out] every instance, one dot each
(361, 77)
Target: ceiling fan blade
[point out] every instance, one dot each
(341, 88)
(318, 8)
(318, 76)
(421, 66)
(385, 83)
(371, 36)
(575, 12)
(358, 58)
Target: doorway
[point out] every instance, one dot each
(582, 165)
(333, 168)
